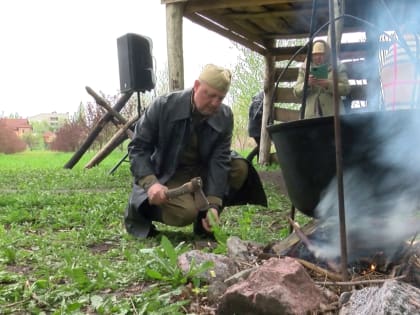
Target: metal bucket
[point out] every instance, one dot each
(307, 156)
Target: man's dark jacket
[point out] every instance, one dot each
(159, 138)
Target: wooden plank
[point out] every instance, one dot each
(226, 33)
(285, 114)
(205, 5)
(100, 124)
(112, 143)
(290, 75)
(171, 1)
(346, 49)
(270, 14)
(285, 95)
(356, 70)
(253, 32)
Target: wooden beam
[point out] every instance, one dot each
(119, 137)
(251, 31)
(270, 14)
(104, 103)
(172, 1)
(205, 5)
(226, 33)
(96, 130)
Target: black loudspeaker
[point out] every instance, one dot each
(135, 63)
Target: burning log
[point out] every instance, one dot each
(319, 270)
(300, 234)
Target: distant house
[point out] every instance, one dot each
(19, 125)
(54, 120)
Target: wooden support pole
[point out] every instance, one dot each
(174, 14)
(117, 118)
(96, 130)
(114, 142)
(265, 143)
(102, 102)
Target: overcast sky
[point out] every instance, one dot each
(52, 49)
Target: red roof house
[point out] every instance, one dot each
(19, 125)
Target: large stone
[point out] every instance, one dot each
(392, 297)
(279, 286)
(240, 250)
(223, 267)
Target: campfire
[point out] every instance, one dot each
(369, 261)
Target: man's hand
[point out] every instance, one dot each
(157, 194)
(211, 219)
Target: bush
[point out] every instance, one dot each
(9, 141)
(69, 137)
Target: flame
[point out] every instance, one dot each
(372, 267)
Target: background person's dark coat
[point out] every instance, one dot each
(255, 115)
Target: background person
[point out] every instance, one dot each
(319, 101)
(182, 135)
(255, 117)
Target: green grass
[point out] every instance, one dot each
(63, 248)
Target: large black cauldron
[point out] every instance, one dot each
(307, 155)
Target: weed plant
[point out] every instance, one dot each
(63, 248)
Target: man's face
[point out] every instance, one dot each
(207, 100)
(318, 58)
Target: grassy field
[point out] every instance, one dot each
(63, 248)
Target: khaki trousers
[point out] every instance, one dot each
(182, 210)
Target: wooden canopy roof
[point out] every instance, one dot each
(255, 23)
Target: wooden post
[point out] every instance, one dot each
(174, 14)
(114, 142)
(265, 143)
(117, 119)
(96, 130)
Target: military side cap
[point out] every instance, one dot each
(318, 48)
(217, 77)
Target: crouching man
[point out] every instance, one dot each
(182, 135)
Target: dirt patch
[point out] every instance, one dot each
(274, 178)
(100, 248)
(19, 269)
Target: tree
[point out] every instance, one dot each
(31, 140)
(71, 135)
(9, 141)
(248, 79)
